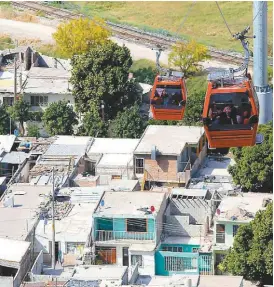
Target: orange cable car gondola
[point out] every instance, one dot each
(168, 95)
(231, 107)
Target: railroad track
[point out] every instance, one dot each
(132, 34)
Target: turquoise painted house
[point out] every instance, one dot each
(182, 259)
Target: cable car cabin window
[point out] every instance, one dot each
(230, 111)
(167, 97)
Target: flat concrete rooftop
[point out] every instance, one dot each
(169, 140)
(113, 146)
(129, 203)
(96, 272)
(20, 218)
(241, 207)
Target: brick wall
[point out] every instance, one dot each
(162, 169)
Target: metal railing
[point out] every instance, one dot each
(220, 237)
(107, 235)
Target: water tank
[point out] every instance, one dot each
(188, 283)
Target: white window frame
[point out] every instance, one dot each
(136, 260)
(39, 101)
(137, 167)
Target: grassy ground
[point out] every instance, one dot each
(204, 22)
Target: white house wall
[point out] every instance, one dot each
(51, 99)
(148, 262)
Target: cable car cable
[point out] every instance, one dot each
(224, 18)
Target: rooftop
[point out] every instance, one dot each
(47, 81)
(113, 146)
(242, 207)
(74, 227)
(189, 192)
(115, 160)
(217, 166)
(134, 203)
(13, 250)
(217, 281)
(72, 140)
(14, 157)
(6, 142)
(169, 140)
(27, 201)
(93, 272)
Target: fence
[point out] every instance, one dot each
(106, 235)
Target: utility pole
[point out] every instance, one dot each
(261, 61)
(53, 224)
(15, 74)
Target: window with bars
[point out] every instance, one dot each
(220, 233)
(172, 248)
(7, 101)
(195, 250)
(137, 259)
(37, 101)
(136, 225)
(139, 165)
(174, 263)
(235, 229)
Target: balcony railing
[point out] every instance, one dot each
(106, 235)
(220, 237)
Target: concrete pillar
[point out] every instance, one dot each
(261, 61)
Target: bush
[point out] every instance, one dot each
(33, 131)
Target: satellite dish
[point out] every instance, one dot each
(152, 208)
(102, 203)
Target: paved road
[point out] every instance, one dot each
(23, 30)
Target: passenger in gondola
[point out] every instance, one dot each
(156, 99)
(213, 111)
(246, 117)
(165, 98)
(228, 119)
(233, 114)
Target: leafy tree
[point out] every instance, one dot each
(128, 124)
(145, 75)
(33, 131)
(102, 75)
(162, 122)
(4, 121)
(93, 125)
(20, 112)
(187, 56)
(252, 251)
(254, 165)
(59, 118)
(78, 35)
(196, 87)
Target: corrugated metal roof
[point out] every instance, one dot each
(65, 150)
(15, 157)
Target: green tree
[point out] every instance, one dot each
(187, 56)
(145, 75)
(4, 121)
(102, 75)
(20, 112)
(59, 118)
(162, 122)
(78, 35)
(33, 131)
(128, 124)
(252, 253)
(93, 125)
(254, 165)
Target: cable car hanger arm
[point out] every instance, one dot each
(230, 73)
